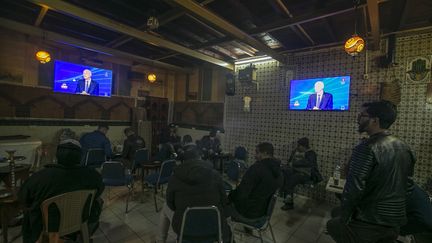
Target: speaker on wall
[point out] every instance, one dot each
(230, 84)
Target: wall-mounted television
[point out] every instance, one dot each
(331, 93)
(80, 79)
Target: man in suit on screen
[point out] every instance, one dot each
(320, 100)
(87, 86)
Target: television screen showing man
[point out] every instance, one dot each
(86, 85)
(320, 100)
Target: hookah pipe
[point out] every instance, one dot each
(12, 168)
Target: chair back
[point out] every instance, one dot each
(141, 157)
(167, 169)
(94, 158)
(73, 208)
(270, 208)
(201, 224)
(113, 173)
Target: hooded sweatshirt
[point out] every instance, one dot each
(195, 183)
(258, 184)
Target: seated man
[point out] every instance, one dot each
(262, 179)
(210, 145)
(132, 143)
(56, 179)
(96, 140)
(302, 167)
(193, 184)
(186, 144)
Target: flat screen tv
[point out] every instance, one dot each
(315, 94)
(80, 79)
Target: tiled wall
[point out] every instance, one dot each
(332, 134)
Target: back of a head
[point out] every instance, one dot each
(193, 153)
(128, 131)
(384, 110)
(187, 139)
(103, 128)
(266, 148)
(303, 142)
(240, 153)
(69, 152)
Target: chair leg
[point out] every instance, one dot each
(85, 233)
(127, 199)
(155, 200)
(260, 235)
(271, 231)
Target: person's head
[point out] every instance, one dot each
(213, 133)
(87, 74)
(303, 144)
(264, 151)
(319, 86)
(69, 152)
(376, 116)
(240, 153)
(192, 153)
(103, 129)
(172, 128)
(128, 131)
(187, 139)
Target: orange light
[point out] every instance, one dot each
(354, 45)
(43, 57)
(151, 77)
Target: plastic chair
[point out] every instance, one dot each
(94, 158)
(74, 210)
(259, 224)
(201, 224)
(161, 178)
(114, 174)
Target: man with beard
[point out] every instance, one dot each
(378, 181)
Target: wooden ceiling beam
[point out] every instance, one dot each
(66, 40)
(373, 10)
(107, 23)
(41, 16)
(227, 27)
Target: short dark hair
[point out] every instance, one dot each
(128, 130)
(103, 126)
(187, 139)
(241, 153)
(303, 142)
(384, 110)
(68, 153)
(266, 148)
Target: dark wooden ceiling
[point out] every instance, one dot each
(281, 25)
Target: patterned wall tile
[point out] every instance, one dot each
(332, 134)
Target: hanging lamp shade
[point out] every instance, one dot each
(43, 57)
(354, 45)
(151, 77)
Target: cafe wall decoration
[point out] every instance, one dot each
(418, 69)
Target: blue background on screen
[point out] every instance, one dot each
(339, 87)
(66, 76)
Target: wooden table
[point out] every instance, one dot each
(9, 208)
(331, 187)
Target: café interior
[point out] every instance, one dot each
(242, 72)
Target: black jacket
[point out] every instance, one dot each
(258, 184)
(131, 145)
(378, 181)
(52, 181)
(195, 183)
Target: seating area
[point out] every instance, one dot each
(305, 224)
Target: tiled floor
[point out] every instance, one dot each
(304, 224)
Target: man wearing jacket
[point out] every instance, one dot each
(378, 181)
(131, 144)
(195, 184)
(258, 185)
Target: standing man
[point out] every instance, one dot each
(87, 86)
(132, 143)
(257, 186)
(320, 100)
(378, 181)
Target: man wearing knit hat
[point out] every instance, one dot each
(56, 179)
